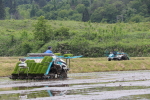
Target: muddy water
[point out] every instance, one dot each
(122, 85)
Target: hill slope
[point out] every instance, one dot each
(86, 38)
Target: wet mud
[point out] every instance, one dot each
(116, 85)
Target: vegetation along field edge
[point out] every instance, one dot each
(85, 65)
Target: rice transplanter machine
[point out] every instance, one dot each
(42, 66)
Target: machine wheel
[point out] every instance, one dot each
(21, 77)
(52, 75)
(124, 57)
(30, 77)
(13, 77)
(63, 74)
(38, 77)
(119, 59)
(109, 59)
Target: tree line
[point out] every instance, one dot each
(107, 11)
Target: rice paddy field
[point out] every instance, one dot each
(88, 78)
(86, 65)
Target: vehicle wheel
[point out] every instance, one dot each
(119, 59)
(124, 58)
(109, 59)
(52, 75)
(21, 77)
(13, 77)
(63, 75)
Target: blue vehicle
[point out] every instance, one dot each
(42, 66)
(118, 56)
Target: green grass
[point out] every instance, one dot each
(16, 26)
(101, 64)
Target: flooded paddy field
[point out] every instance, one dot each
(114, 85)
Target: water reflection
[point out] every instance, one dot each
(128, 84)
(29, 92)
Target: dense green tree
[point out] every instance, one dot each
(119, 6)
(80, 8)
(47, 8)
(71, 12)
(54, 2)
(96, 4)
(40, 13)
(42, 32)
(136, 18)
(34, 9)
(98, 15)
(63, 13)
(128, 13)
(24, 11)
(85, 15)
(2, 10)
(20, 2)
(67, 6)
(76, 17)
(62, 33)
(51, 15)
(12, 6)
(86, 2)
(126, 1)
(6, 3)
(146, 2)
(111, 13)
(73, 2)
(13, 9)
(42, 3)
(135, 5)
(139, 6)
(107, 13)
(110, 9)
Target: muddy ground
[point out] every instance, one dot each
(122, 85)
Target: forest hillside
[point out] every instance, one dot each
(108, 11)
(91, 28)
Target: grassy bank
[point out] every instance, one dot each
(84, 65)
(101, 64)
